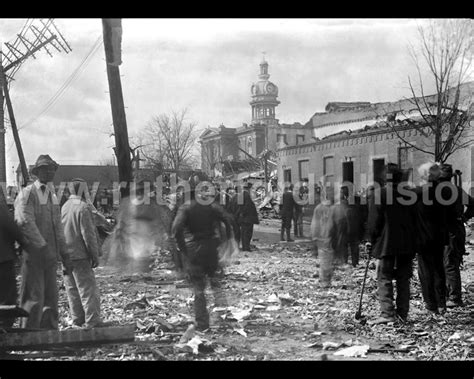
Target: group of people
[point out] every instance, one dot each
(400, 222)
(49, 234)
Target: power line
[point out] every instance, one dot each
(75, 74)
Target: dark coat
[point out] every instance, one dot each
(243, 208)
(390, 223)
(357, 218)
(9, 233)
(194, 229)
(340, 229)
(430, 219)
(288, 205)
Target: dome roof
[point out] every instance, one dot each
(264, 87)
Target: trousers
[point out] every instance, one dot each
(391, 268)
(83, 294)
(298, 224)
(432, 277)
(8, 294)
(39, 292)
(453, 255)
(246, 233)
(326, 265)
(342, 253)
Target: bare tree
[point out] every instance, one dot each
(168, 141)
(446, 47)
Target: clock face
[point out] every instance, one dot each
(271, 88)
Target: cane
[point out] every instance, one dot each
(368, 247)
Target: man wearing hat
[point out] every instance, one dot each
(83, 248)
(456, 216)
(38, 214)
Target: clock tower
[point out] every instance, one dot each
(264, 98)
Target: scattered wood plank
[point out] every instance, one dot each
(12, 311)
(68, 337)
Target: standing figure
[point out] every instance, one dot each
(341, 229)
(287, 213)
(322, 234)
(302, 197)
(456, 216)
(391, 230)
(83, 249)
(38, 214)
(432, 237)
(194, 230)
(351, 226)
(245, 212)
(9, 233)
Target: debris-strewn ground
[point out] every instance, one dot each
(277, 311)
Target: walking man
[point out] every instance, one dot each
(38, 214)
(194, 230)
(391, 232)
(83, 249)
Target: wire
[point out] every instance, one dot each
(75, 74)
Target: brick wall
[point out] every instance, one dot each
(362, 149)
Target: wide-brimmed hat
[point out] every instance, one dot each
(43, 160)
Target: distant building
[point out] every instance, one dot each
(222, 145)
(353, 141)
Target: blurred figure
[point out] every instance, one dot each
(38, 214)
(194, 231)
(322, 234)
(432, 237)
(391, 229)
(341, 229)
(456, 216)
(286, 212)
(143, 227)
(9, 234)
(302, 197)
(83, 248)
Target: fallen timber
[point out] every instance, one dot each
(45, 339)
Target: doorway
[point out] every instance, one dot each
(287, 176)
(378, 170)
(348, 172)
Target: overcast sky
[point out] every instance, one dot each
(206, 65)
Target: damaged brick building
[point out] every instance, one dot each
(352, 142)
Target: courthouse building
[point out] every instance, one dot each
(263, 133)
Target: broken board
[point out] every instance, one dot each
(12, 311)
(68, 337)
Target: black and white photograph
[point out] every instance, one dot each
(236, 189)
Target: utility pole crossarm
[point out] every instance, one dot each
(19, 60)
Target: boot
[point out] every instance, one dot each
(282, 234)
(288, 238)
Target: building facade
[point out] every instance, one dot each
(352, 143)
(263, 133)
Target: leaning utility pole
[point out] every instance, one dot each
(112, 31)
(34, 36)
